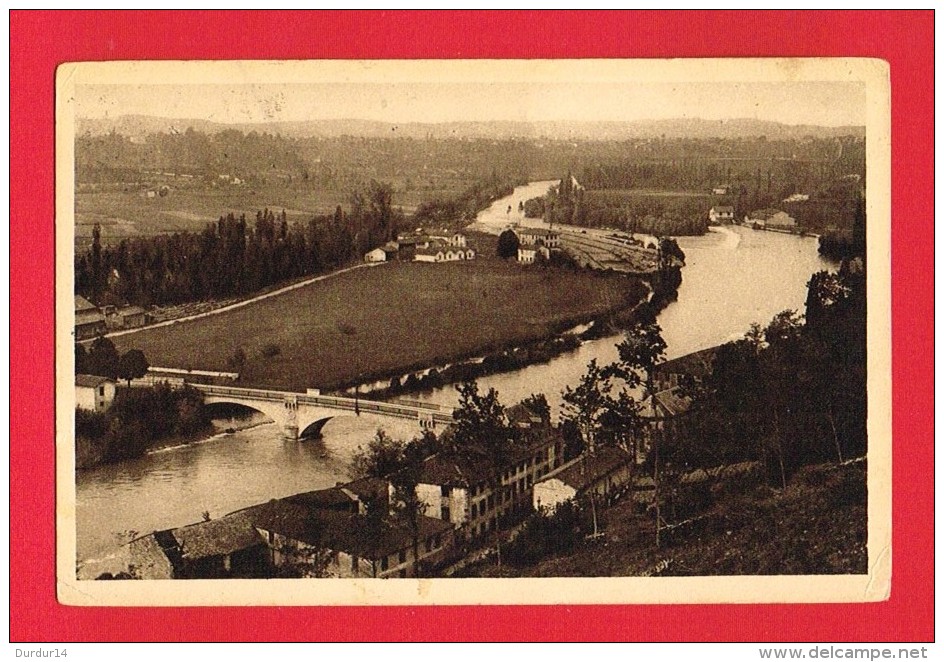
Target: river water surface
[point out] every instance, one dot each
(733, 277)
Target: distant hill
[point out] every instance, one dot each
(141, 125)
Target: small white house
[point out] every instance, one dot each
(376, 255)
(94, 393)
(721, 214)
(529, 254)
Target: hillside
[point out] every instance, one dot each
(818, 525)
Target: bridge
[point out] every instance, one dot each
(305, 414)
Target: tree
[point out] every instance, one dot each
(537, 403)
(381, 459)
(103, 358)
(508, 244)
(132, 364)
(640, 351)
(585, 405)
(81, 359)
(483, 437)
(409, 504)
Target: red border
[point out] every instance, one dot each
(39, 41)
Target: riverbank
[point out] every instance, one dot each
(92, 453)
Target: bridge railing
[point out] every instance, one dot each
(332, 402)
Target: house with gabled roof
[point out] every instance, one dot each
(94, 393)
(226, 547)
(337, 543)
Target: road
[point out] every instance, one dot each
(245, 302)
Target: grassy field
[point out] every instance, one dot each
(385, 320)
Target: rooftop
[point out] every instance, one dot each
(91, 381)
(82, 304)
(697, 364)
(339, 531)
(588, 468)
(217, 537)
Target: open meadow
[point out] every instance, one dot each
(386, 320)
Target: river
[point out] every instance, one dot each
(733, 276)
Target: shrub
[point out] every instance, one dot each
(271, 350)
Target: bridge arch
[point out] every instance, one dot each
(313, 430)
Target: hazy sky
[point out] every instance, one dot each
(822, 103)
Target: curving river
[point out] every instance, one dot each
(733, 276)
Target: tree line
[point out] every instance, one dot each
(232, 257)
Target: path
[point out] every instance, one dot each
(245, 302)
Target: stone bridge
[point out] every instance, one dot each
(305, 414)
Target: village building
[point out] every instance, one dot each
(125, 317)
(721, 214)
(530, 255)
(333, 541)
(94, 393)
(687, 369)
(376, 255)
(770, 218)
(664, 415)
(438, 250)
(720, 190)
(602, 475)
(459, 491)
(550, 239)
(226, 547)
(320, 533)
(89, 320)
(458, 240)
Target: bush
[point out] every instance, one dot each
(271, 350)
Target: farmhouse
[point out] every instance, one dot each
(94, 393)
(529, 255)
(721, 214)
(89, 320)
(603, 473)
(376, 255)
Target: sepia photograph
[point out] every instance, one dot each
(473, 332)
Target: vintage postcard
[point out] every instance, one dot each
(473, 332)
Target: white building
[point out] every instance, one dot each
(721, 214)
(376, 255)
(94, 393)
(538, 237)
